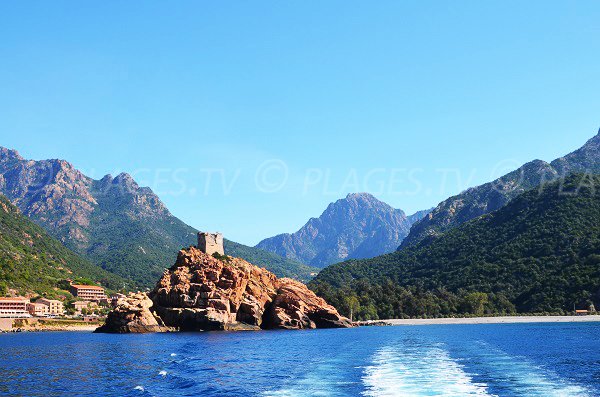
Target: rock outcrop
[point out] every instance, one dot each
(133, 314)
(201, 292)
(295, 306)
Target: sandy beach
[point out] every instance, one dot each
(485, 320)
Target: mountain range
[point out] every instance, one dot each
(357, 226)
(117, 225)
(539, 253)
(491, 196)
(128, 234)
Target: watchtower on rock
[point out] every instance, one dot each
(211, 243)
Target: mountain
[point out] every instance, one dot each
(417, 216)
(358, 226)
(540, 253)
(31, 261)
(112, 222)
(491, 196)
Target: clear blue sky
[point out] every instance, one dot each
(394, 97)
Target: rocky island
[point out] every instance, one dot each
(207, 290)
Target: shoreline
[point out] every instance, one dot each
(46, 325)
(482, 320)
(49, 329)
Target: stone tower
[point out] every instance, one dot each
(211, 243)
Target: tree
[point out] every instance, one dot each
(353, 305)
(475, 302)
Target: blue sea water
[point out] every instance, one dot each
(434, 360)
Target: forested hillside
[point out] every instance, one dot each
(539, 253)
(31, 261)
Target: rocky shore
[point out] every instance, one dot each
(201, 293)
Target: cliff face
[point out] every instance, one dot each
(201, 292)
(358, 226)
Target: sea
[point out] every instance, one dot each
(430, 360)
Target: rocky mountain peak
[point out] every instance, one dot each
(106, 180)
(123, 182)
(360, 196)
(73, 206)
(584, 159)
(363, 200)
(125, 179)
(8, 154)
(357, 226)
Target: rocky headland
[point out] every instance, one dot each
(202, 292)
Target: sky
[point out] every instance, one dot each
(250, 117)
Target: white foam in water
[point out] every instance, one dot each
(430, 371)
(418, 371)
(173, 354)
(325, 379)
(140, 388)
(163, 373)
(518, 374)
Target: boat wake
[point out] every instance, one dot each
(431, 371)
(418, 372)
(515, 375)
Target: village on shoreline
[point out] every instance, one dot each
(86, 312)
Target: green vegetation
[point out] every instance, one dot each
(280, 266)
(224, 258)
(538, 254)
(135, 241)
(32, 261)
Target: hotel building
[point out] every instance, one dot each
(14, 307)
(88, 292)
(54, 306)
(37, 309)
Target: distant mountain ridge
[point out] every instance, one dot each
(491, 196)
(357, 226)
(113, 222)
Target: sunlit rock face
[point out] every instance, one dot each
(201, 292)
